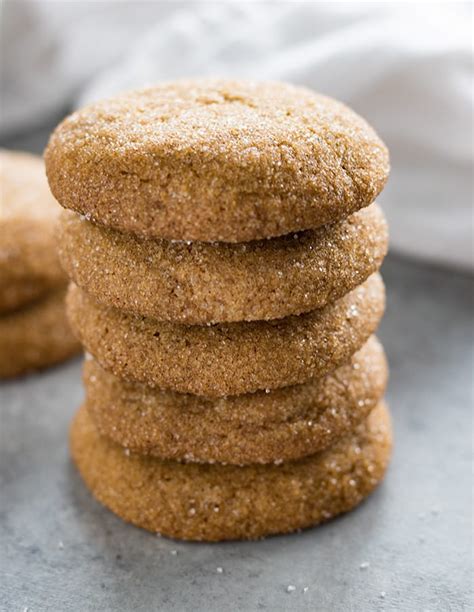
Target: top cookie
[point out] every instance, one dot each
(29, 265)
(216, 160)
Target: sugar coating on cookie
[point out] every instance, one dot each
(216, 160)
(215, 502)
(284, 424)
(36, 336)
(227, 358)
(29, 265)
(205, 283)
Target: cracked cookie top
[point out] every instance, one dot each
(216, 160)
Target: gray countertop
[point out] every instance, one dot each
(62, 551)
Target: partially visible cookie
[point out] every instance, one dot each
(36, 336)
(285, 424)
(203, 283)
(227, 358)
(216, 160)
(215, 502)
(17, 293)
(29, 265)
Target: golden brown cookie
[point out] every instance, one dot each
(227, 358)
(29, 265)
(285, 424)
(17, 293)
(205, 283)
(216, 160)
(216, 502)
(36, 336)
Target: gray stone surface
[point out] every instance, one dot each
(61, 551)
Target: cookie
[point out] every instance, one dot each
(202, 283)
(216, 160)
(29, 265)
(36, 336)
(193, 501)
(227, 358)
(285, 424)
(17, 293)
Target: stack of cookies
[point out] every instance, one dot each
(224, 258)
(34, 332)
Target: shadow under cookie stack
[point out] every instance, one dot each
(224, 263)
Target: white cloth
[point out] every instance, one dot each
(406, 67)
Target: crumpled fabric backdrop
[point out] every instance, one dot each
(406, 67)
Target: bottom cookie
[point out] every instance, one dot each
(222, 502)
(36, 336)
